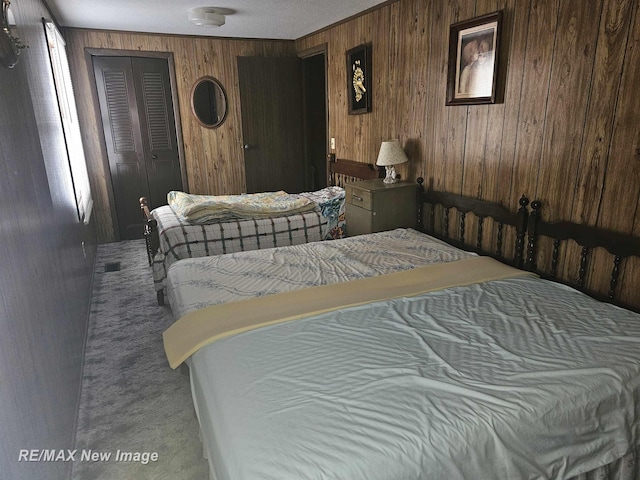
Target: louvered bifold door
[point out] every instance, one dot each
(157, 125)
(140, 135)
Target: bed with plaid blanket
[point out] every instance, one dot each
(180, 239)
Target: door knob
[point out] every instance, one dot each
(248, 146)
(154, 156)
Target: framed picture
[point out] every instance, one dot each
(359, 79)
(473, 60)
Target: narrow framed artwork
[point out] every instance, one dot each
(473, 60)
(359, 79)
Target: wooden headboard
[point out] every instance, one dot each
(480, 226)
(602, 263)
(342, 171)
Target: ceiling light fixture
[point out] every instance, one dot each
(207, 16)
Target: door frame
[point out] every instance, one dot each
(89, 53)
(303, 54)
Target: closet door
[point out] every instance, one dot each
(139, 130)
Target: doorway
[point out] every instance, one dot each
(138, 121)
(314, 68)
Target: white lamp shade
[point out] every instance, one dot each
(206, 17)
(391, 153)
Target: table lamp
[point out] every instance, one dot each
(391, 153)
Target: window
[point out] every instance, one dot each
(69, 117)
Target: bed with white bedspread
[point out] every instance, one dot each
(501, 378)
(419, 364)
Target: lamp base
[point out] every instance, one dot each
(391, 175)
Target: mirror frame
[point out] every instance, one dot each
(198, 82)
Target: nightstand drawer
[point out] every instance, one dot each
(358, 196)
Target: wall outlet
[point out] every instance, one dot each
(333, 143)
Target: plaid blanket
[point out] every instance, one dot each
(180, 239)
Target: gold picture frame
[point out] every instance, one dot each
(473, 60)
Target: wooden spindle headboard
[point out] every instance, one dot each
(471, 214)
(560, 259)
(342, 171)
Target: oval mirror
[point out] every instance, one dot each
(209, 102)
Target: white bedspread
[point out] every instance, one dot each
(199, 282)
(504, 380)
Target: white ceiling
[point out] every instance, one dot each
(274, 19)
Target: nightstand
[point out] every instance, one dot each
(374, 206)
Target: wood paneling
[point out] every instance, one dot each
(565, 130)
(213, 157)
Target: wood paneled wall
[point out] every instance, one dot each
(567, 128)
(213, 157)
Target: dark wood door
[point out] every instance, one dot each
(140, 134)
(272, 123)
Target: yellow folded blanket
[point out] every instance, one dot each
(199, 328)
(207, 208)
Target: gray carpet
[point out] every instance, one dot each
(131, 400)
